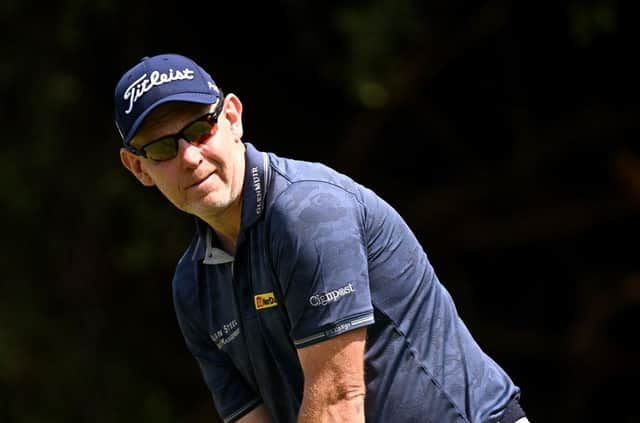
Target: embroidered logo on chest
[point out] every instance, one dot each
(227, 333)
(266, 300)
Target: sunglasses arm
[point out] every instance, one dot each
(135, 151)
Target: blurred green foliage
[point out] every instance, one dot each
(379, 35)
(449, 110)
(592, 19)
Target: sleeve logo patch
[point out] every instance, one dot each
(332, 296)
(266, 300)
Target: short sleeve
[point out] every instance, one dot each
(317, 244)
(232, 396)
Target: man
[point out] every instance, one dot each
(303, 296)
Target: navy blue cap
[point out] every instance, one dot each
(155, 81)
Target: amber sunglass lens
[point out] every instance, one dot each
(197, 130)
(163, 149)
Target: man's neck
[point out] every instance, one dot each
(226, 225)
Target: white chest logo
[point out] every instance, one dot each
(143, 84)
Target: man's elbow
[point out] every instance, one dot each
(349, 392)
(339, 402)
(339, 394)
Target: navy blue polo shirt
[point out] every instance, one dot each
(319, 255)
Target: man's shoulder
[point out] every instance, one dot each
(300, 180)
(295, 170)
(311, 202)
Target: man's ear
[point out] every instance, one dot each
(134, 164)
(233, 113)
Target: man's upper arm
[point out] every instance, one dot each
(334, 378)
(257, 415)
(319, 251)
(340, 360)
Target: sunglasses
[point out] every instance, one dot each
(166, 147)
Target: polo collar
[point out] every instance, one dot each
(256, 178)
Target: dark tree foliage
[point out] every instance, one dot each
(506, 133)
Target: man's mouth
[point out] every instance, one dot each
(199, 182)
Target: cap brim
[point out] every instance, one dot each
(201, 98)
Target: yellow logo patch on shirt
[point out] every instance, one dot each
(266, 300)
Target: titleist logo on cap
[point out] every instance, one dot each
(143, 84)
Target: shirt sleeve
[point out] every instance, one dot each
(320, 257)
(232, 396)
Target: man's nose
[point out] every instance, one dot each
(189, 153)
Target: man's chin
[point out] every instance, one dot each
(210, 207)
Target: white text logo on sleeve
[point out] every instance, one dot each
(331, 296)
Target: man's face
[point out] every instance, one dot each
(204, 179)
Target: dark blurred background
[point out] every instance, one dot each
(504, 132)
